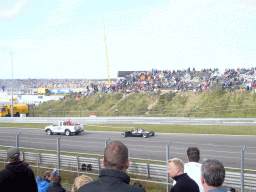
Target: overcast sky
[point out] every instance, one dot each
(65, 38)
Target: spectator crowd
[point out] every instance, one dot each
(152, 81)
(190, 177)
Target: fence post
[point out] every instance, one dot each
(99, 164)
(220, 110)
(106, 142)
(58, 155)
(245, 110)
(17, 140)
(148, 169)
(242, 169)
(38, 159)
(4, 162)
(23, 155)
(77, 159)
(167, 164)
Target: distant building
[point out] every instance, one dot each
(124, 73)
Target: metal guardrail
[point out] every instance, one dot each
(156, 171)
(134, 120)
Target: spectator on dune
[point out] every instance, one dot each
(56, 185)
(80, 181)
(17, 176)
(213, 175)
(183, 182)
(113, 178)
(43, 182)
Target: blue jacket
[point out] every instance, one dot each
(43, 183)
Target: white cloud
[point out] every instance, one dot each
(14, 11)
(62, 14)
(8, 14)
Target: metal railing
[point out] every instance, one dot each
(133, 120)
(73, 164)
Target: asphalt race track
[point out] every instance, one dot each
(227, 149)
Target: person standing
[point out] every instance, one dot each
(17, 176)
(44, 181)
(213, 176)
(193, 168)
(80, 181)
(56, 185)
(183, 182)
(113, 177)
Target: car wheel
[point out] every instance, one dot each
(145, 135)
(49, 132)
(67, 133)
(152, 133)
(123, 135)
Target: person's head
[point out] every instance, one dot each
(56, 179)
(175, 167)
(80, 181)
(13, 155)
(48, 175)
(116, 156)
(213, 173)
(137, 184)
(193, 154)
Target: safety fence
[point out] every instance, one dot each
(92, 166)
(239, 161)
(135, 120)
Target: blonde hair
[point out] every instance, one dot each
(178, 162)
(80, 181)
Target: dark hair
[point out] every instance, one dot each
(137, 184)
(213, 172)
(57, 179)
(47, 173)
(115, 155)
(193, 154)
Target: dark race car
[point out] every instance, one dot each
(138, 132)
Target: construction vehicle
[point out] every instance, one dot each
(18, 109)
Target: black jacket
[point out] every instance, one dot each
(184, 184)
(17, 176)
(111, 180)
(56, 188)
